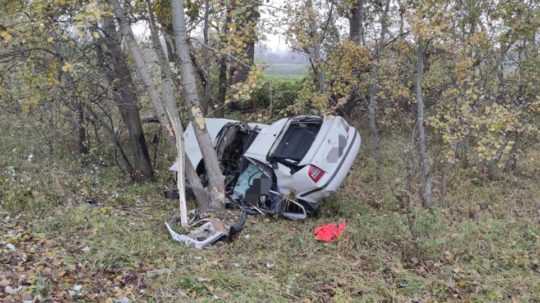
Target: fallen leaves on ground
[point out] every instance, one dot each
(35, 269)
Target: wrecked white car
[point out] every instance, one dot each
(284, 168)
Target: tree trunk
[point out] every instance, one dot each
(372, 120)
(246, 27)
(401, 18)
(319, 75)
(79, 119)
(373, 90)
(222, 89)
(140, 64)
(123, 161)
(223, 79)
(240, 72)
(155, 97)
(356, 27)
(82, 141)
(315, 50)
(169, 100)
(206, 57)
(427, 200)
(126, 100)
(213, 169)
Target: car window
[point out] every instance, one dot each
(253, 181)
(295, 142)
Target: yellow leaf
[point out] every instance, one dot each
(6, 35)
(67, 67)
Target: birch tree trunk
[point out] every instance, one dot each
(163, 113)
(140, 64)
(213, 169)
(169, 100)
(427, 200)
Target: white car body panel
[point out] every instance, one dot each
(265, 139)
(332, 179)
(334, 150)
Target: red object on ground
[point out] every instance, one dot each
(329, 232)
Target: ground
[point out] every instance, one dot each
(73, 229)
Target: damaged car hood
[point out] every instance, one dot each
(214, 126)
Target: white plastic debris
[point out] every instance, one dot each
(77, 287)
(11, 247)
(11, 291)
(121, 300)
(75, 291)
(205, 235)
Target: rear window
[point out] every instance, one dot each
(296, 141)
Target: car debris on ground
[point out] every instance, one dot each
(282, 169)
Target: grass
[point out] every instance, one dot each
(285, 71)
(480, 245)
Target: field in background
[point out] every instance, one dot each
(285, 71)
(77, 230)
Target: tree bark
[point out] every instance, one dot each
(222, 89)
(79, 119)
(247, 26)
(140, 64)
(213, 169)
(427, 200)
(356, 20)
(315, 50)
(169, 100)
(223, 79)
(373, 89)
(123, 161)
(206, 57)
(401, 8)
(372, 121)
(82, 141)
(164, 115)
(126, 100)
